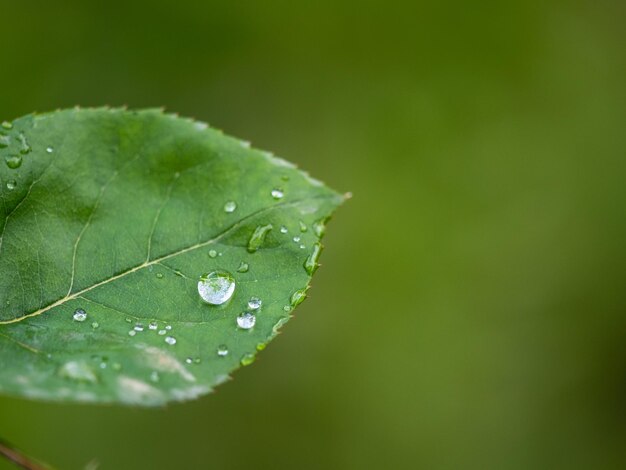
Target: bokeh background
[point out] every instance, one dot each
(470, 312)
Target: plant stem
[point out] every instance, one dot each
(18, 458)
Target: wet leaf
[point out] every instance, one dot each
(110, 222)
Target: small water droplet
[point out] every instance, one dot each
(13, 161)
(154, 376)
(49, 149)
(258, 237)
(303, 227)
(302, 247)
(319, 228)
(197, 360)
(79, 315)
(5, 141)
(287, 308)
(24, 145)
(159, 275)
(261, 346)
(189, 360)
(153, 325)
(246, 320)
(212, 253)
(254, 303)
(285, 177)
(11, 185)
(168, 327)
(222, 350)
(217, 287)
(7, 125)
(296, 239)
(247, 359)
(162, 332)
(170, 340)
(243, 267)
(283, 229)
(277, 193)
(129, 320)
(95, 325)
(132, 333)
(138, 327)
(310, 265)
(298, 297)
(230, 206)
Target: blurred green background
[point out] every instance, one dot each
(470, 312)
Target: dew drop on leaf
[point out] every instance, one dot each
(222, 350)
(254, 303)
(217, 287)
(212, 253)
(283, 229)
(230, 206)
(7, 125)
(79, 315)
(49, 149)
(310, 265)
(246, 320)
(298, 297)
(247, 359)
(11, 185)
(277, 193)
(153, 325)
(303, 227)
(170, 340)
(243, 267)
(13, 161)
(258, 237)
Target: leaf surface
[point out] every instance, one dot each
(108, 221)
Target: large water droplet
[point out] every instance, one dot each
(13, 161)
(254, 303)
(217, 287)
(258, 237)
(246, 320)
(277, 193)
(230, 206)
(243, 267)
(222, 350)
(11, 185)
(79, 315)
(310, 265)
(298, 297)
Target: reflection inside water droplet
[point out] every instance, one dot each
(246, 320)
(217, 287)
(79, 315)
(230, 206)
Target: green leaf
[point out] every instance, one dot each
(109, 220)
